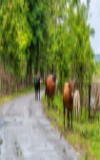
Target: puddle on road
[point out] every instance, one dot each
(7, 123)
(18, 150)
(15, 143)
(19, 154)
(64, 151)
(1, 122)
(13, 122)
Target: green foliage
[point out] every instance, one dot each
(82, 52)
(30, 28)
(15, 34)
(85, 134)
(8, 34)
(70, 44)
(57, 103)
(97, 68)
(36, 19)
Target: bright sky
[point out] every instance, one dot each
(95, 23)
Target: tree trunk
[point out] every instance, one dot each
(29, 72)
(86, 93)
(54, 69)
(81, 96)
(37, 57)
(47, 69)
(27, 75)
(89, 100)
(60, 72)
(81, 87)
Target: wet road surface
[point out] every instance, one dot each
(26, 133)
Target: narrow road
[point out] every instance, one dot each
(26, 133)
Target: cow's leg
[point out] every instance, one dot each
(76, 112)
(45, 93)
(39, 93)
(35, 94)
(64, 116)
(68, 118)
(48, 99)
(52, 102)
(52, 99)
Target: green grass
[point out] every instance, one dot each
(85, 135)
(29, 89)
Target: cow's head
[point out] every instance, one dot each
(72, 86)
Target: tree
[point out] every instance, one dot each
(36, 19)
(82, 54)
(9, 35)
(15, 35)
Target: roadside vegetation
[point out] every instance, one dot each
(85, 135)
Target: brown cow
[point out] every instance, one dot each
(54, 80)
(50, 87)
(68, 99)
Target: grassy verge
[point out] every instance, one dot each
(29, 89)
(85, 135)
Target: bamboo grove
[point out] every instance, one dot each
(30, 44)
